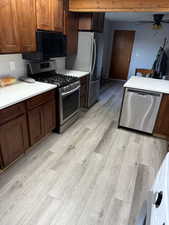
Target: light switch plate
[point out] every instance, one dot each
(12, 66)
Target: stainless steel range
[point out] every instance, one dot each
(67, 94)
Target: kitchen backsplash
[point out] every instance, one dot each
(12, 64)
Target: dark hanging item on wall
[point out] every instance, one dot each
(161, 62)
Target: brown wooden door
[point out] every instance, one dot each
(9, 27)
(13, 139)
(44, 14)
(27, 24)
(57, 7)
(49, 110)
(162, 123)
(121, 54)
(36, 124)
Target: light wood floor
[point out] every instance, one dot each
(93, 174)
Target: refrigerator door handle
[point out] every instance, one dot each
(94, 60)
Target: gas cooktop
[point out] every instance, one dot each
(54, 78)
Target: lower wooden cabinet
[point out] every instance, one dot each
(13, 140)
(84, 90)
(24, 124)
(36, 124)
(49, 110)
(162, 122)
(41, 120)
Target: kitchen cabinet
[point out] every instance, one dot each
(91, 22)
(58, 18)
(49, 110)
(44, 14)
(9, 27)
(118, 6)
(84, 90)
(71, 31)
(13, 139)
(24, 124)
(41, 116)
(162, 122)
(49, 15)
(17, 26)
(36, 124)
(27, 25)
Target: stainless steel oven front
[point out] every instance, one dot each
(69, 99)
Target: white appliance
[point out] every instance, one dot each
(89, 59)
(155, 210)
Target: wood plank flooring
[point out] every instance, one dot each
(93, 174)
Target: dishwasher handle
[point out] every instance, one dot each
(143, 92)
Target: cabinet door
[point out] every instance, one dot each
(9, 27)
(44, 14)
(57, 7)
(49, 110)
(36, 124)
(91, 21)
(162, 123)
(98, 22)
(13, 139)
(84, 91)
(71, 30)
(85, 21)
(27, 24)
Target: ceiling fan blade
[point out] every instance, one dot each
(165, 21)
(143, 22)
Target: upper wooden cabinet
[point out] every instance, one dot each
(58, 22)
(44, 14)
(9, 27)
(71, 31)
(118, 6)
(162, 123)
(17, 26)
(27, 24)
(91, 21)
(49, 15)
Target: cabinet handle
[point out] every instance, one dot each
(158, 199)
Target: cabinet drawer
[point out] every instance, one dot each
(12, 112)
(40, 99)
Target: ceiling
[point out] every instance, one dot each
(132, 16)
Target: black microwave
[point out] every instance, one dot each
(50, 44)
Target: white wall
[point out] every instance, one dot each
(16, 59)
(146, 44)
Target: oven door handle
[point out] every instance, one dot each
(70, 92)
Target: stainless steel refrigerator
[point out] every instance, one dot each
(89, 59)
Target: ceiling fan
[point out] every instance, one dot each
(157, 21)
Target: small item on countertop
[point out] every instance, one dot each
(7, 80)
(27, 79)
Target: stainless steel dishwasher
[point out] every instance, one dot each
(140, 109)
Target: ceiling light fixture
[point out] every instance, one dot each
(157, 26)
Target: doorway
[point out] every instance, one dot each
(121, 54)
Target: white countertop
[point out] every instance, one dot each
(148, 84)
(74, 73)
(21, 91)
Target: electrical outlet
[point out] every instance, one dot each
(12, 66)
